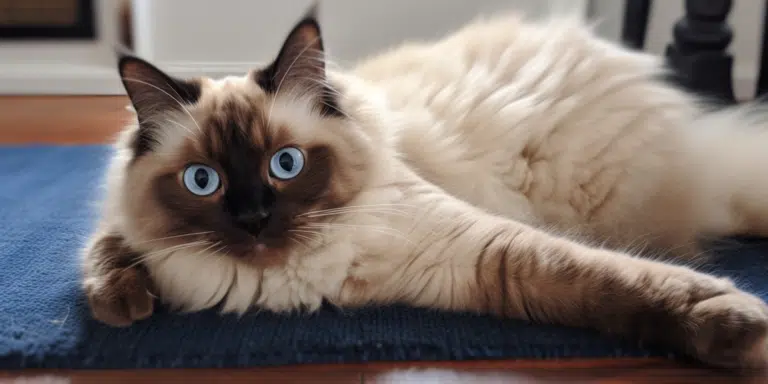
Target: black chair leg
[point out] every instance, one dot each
(762, 82)
(698, 51)
(635, 23)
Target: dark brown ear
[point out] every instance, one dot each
(152, 92)
(300, 66)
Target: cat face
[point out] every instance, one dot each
(234, 167)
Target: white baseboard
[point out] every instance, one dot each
(50, 79)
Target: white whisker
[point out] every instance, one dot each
(300, 237)
(384, 230)
(297, 241)
(174, 237)
(147, 256)
(162, 253)
(358, 211)
(209, 247)
(356, 207)
(309, 235)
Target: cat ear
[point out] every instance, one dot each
(153, 92)
(300, 66)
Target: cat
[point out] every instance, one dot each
(514, 167)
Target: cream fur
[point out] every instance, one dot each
(542, 123)
(538, 122)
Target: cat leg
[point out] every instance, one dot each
(117, 286)
(473, 261)
(543, 279)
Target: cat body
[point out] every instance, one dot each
(473, 173)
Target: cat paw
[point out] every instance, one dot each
(121, 297)
(730, 331)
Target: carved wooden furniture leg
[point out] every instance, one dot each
(698, 51)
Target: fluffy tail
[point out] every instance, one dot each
(727, 158)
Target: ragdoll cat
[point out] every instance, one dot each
(479, 173)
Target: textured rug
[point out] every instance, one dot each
(45, 215)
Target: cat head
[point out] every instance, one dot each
(236, 166)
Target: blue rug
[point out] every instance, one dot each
(46, 215)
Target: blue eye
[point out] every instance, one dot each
(201, 180)
(286, 163)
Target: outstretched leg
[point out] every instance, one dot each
(483, 263)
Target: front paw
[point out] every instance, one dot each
(121, 297)
(730, 330)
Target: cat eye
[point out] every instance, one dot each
(286, 163)
(201, 180)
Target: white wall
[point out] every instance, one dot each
(221, 37)
(746, 20)
(231, 36)
(228, 36)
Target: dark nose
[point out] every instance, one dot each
(252, 212)
(252, 220)
(255, 215)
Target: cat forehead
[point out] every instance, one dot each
(237, 105)
(241, 94)
(218, 93)
(229, 84)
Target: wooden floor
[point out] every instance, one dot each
(70, 120)
(581, 371)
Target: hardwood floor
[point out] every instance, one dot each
(581, 371)
(61, 120)
(69, 120)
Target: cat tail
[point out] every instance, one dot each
(726, 158)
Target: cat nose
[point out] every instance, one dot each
(252, 220)
(254, 215)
